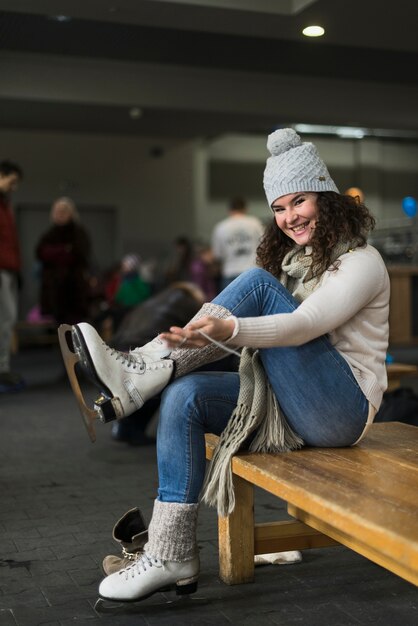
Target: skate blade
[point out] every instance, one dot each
(70, 359)
(113, 606)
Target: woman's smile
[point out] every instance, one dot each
(296, 215)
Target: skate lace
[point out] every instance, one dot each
(127, 358)
(141, 564)
(219, 344)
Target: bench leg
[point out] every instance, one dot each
(236, 537)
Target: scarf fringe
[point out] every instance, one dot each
(262, 413)
(274, 433)
(218, 487)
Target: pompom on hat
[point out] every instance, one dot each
(293, 166)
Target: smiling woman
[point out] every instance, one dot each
(312, 322)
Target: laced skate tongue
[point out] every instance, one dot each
(155, 349)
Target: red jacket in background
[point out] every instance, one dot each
(9, 243)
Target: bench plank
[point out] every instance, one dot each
(288, 535)
(365, 497)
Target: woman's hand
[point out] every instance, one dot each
(190, 337)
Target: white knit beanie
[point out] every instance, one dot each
(293, 166)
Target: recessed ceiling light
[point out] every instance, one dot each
(313, 31)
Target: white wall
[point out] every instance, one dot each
(154, 196)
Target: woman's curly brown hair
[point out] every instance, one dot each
(340, 218)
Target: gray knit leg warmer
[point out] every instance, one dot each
(187, 360)
(172, 531)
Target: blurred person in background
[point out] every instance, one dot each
(235, 240)
(10, 266)
(178, 267)
(193, 263)
(64, 252)
(124, 289)
(132, 289)
(204, 271)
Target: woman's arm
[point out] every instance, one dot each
(343, 293)
(360, 277)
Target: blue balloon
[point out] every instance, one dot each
(409, 205)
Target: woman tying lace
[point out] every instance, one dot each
(312, 322)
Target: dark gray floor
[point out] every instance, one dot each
(60, 496)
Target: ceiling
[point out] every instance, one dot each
(201, 68)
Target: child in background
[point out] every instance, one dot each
(132, 288)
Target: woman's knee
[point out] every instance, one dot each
(177, 398)
(258, 274)
(200, 401)
(258, 277)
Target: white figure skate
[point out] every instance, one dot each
(148, 575)
(125, 380)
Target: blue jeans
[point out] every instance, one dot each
(313, 383)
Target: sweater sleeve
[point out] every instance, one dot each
(341, 294)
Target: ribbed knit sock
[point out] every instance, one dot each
(172, 531)
(188, 360)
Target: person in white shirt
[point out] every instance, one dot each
(312, 322)
(235, 240)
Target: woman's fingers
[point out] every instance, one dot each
(183, 338)
(191, 337)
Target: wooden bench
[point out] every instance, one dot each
(364, 497)
(396, 371)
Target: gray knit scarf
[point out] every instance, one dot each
(257, 407)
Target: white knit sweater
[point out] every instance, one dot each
(351, 306)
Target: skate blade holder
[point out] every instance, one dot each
(71, 358)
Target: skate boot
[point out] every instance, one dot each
(170, 558)
(148, 575)
(126, 380)
(131, 533)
